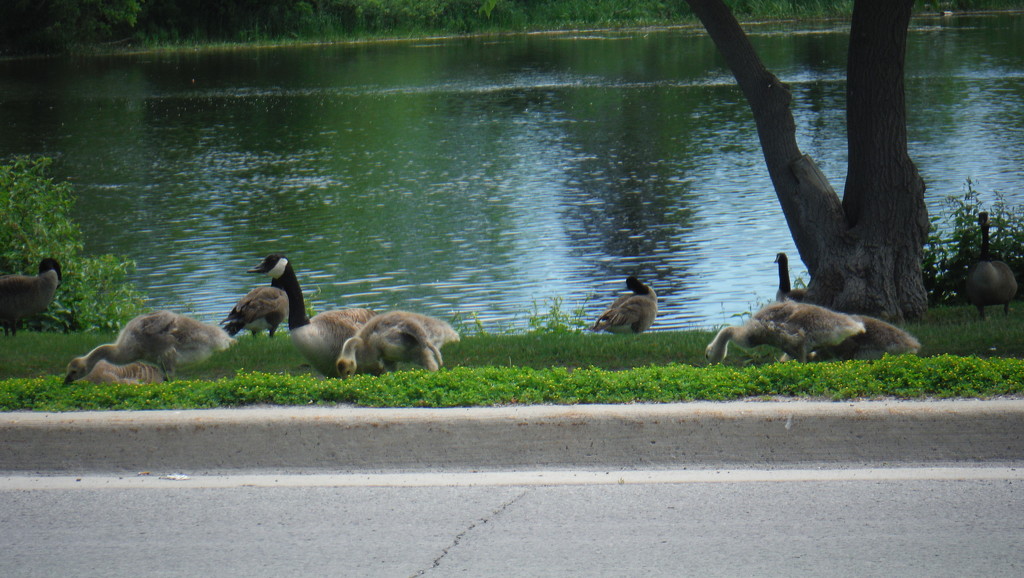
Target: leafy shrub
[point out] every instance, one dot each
(555, 320)
(35, 223)
(951, 251)
(62, 24)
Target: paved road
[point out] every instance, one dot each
(820, 522)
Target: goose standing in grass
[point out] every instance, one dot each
(393, 337)
(262, 308)
(878, 339)
(795, 328)
(990, 282)
(163, 338)
(25, 295)
(319, 339)
(633, 313)
(133, 373)
(786, 291)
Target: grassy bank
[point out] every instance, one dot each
(961, 356)
(376, 19)
(113, 25)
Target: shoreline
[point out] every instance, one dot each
(102, 50)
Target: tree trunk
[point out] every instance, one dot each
(864, 252)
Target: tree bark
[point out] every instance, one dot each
(863, 252)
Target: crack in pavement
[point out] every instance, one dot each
(458, 537)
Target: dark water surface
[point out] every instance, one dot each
(485, 177)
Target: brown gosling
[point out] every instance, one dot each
(394, 337)
(633, 313)
(163, 338)
(795, 328)
(318, 340)
(990, 282)
(786, 291)
(25, 295)
(878, 339)
(132, 374)
(262, 308)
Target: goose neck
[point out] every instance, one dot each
(296, 304)
(784, 285)
(985, 256)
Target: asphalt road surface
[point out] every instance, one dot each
(808, 522)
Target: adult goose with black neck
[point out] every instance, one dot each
(786, 290)
(319, 339)
(990, 281)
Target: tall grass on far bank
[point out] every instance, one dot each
(81, 25)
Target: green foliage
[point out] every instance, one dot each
(35, 223)
(790, 8)
(61, 24)
(903, 377)
(955, 242)
(555, 320)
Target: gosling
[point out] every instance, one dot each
(795, 328)
(394, 337)
(163, 338)
(131, 374)
(879, 338)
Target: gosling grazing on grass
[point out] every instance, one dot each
(24, 295)
(133, 373)
(319, 340)
(393, 337)
(163, 338)
(795, 328)
(785, 290)
(633, 313)
(878, 339)
(990, 282)
(262, 308)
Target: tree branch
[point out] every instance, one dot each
(813, 210)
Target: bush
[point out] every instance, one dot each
(950, 253)
(35, 223)
(55, 25)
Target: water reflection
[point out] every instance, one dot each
(484, 177)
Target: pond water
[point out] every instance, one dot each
(486, 177)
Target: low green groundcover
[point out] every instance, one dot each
(905, 377)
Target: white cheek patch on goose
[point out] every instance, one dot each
(278, 269)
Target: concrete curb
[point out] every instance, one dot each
(680, 436)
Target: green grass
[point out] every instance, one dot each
(962, 356)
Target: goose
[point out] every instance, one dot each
(785, 290)
(133, 373)
(24, 295)
(392, 337)
(795, 328)
(878, 339)
(632, 313)
(319, 339)
(262, 308)
(990, 282)
(164, 338)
